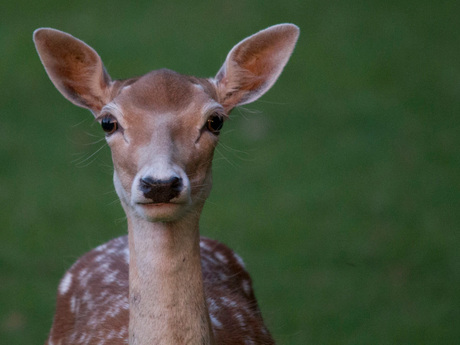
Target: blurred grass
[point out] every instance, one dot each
(340, 188)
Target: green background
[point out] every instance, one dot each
(340, 188)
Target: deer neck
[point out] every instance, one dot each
(166, 295)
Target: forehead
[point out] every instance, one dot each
(165, 91)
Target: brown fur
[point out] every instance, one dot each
(167, 284)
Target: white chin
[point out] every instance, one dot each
(166, 212)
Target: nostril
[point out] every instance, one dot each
(176, 184)
(147, 182)
(160, 191)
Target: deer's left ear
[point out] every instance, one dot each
(254, 64)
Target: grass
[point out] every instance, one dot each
(340, 188)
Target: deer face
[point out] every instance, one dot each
(162, 129)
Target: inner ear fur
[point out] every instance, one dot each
(74, 68)
(254, 64)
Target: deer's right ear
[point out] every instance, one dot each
(74, 68)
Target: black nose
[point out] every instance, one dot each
(160, 191)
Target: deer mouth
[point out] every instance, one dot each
(160, 211)
(159, 204)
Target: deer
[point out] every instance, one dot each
(162, 283)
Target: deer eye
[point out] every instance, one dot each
(109, 124)
(214, 124)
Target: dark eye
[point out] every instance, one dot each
(214, 124)
(109, 124)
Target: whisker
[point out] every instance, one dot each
(88, 160)
(121, 220)
(249, 110)
(93, 142)
(272, 102)
(79, 123)
(226, 159)
(239, 154)
(114, 201)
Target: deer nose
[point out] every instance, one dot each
(160, 191)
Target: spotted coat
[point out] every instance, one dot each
(92, 305)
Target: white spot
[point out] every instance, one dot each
(216, 323)
(204, 245)
(110, 277)
(101, 248)
(239, 259)
(246, 287)
(241, 320)
(84, 277)
(73, 303)
(111, 334)
(221, 257)
(82, 273)
(212, 305)
(103, 268)
(126, 254)
(64, 286)
(82, 337)
(111, 250)
(199, 87)
(228, 302)
(125, 304)
(88, 298)
(115, 308)
(99, 258)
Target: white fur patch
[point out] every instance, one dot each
(239, 259)
(73, 304)
(112, 108)
(64, 286)
(221, 257)
(199, 87)
(210, 107)
(215, 322)
(246, 287)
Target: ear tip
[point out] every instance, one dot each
(38, 33)
(290, 28)
(42, 33)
